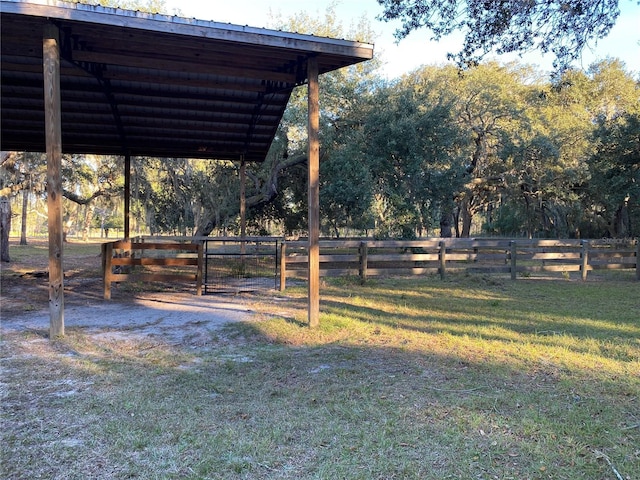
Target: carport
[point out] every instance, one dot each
(87, 79)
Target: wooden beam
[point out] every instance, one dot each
(314, 192)
(155, 63)
(53, 134)
(127, 195)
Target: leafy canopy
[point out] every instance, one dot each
(562, 27)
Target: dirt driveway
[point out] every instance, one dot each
(169, 318)
(170, 313)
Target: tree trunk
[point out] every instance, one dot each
(621, 222)
(467, 217)
(23, 227)
(466, 223)
(5, 227)
(445, 224)
(456, 221)
(86, 224)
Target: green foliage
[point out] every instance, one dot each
(345, 191)
(413, 149)
(171, 191)
(493, 148)
(615, 176)
(563, 28)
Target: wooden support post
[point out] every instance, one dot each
(107, 255)
(442, 256)
(243, 205)
(283, 266)
(314, 192)
(364, 253)
(53, 138)
(127, 195)
(513, 254)
(584, 255)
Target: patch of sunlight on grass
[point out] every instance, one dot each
(517, 325)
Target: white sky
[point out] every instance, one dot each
(623, 42)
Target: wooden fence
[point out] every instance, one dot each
(119, 258)
(169, 257)
(366, 258)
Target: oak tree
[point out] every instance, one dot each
(561, 27)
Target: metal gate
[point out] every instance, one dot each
(232, 265)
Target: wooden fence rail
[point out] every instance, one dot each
(125, 254)
(365, 258)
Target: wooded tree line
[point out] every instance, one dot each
(498, 148)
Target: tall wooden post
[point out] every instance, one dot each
(53, 137)
(243, 205)
(314, 193)
(127, 195)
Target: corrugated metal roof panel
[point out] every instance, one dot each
(152, 84)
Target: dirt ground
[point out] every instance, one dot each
(167, 312)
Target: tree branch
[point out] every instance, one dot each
(84, 200)
(269, 188)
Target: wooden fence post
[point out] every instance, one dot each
(364, 252)
(199, 271)
(107, 255)
(442, 255)
(584, 255)
(638, 258)
(283, 266)
(513, 253)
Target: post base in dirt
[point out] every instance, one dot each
(56, 310)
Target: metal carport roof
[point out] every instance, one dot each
(87, 79)
(146, 84)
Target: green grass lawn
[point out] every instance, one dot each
(477, 377)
